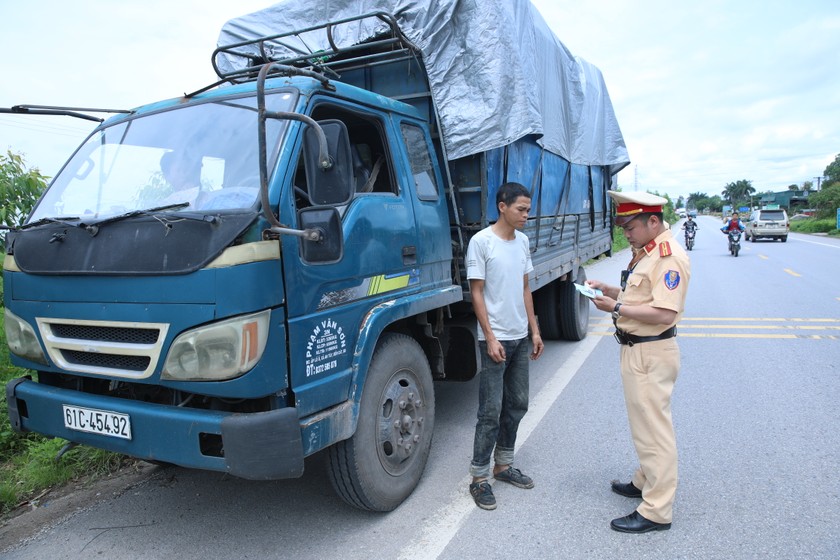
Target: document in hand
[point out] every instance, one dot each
(587, 291)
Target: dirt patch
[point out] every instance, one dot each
(58, 503)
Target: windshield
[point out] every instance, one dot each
(203, 155)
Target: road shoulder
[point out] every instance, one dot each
(63, 502)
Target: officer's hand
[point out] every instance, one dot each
(595, 284)
(604, 303)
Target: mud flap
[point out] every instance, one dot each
(12, 405)
(263, 445)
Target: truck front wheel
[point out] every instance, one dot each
(381, 464)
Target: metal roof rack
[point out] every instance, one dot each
(290, 49)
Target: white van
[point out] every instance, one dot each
(768, 223)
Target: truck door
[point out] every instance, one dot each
(327, 302)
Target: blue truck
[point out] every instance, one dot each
(273, 266)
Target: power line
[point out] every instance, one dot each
(24, 123)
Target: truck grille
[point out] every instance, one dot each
(113, 361)
(111, 348)
(106, 334)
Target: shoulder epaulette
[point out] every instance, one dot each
(664, 249)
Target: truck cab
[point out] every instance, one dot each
(168, 321)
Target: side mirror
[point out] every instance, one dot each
(334, 185)
(329, 247)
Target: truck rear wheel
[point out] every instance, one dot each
(379, 467)
(574, 308)
(547, 309)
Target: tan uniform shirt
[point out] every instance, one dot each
(659, 279)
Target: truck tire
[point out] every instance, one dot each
(574, 308)
(547, 309)
(381, 464)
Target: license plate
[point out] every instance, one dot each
(103, 422)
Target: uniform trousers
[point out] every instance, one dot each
(648, 373)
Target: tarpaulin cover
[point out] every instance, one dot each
(496, 71)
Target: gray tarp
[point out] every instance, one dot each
(496, 71)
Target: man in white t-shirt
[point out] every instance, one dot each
(498, 263)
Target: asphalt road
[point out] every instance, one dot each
(758, 431)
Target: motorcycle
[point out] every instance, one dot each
(689, 239)
(734, 242)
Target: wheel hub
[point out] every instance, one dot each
(400, 423)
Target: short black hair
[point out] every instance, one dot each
(645, 215)
(509, 192)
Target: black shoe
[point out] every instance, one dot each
(516, 477)
(626, 490)
(482, 493)
(636, 523)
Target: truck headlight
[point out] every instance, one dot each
(220, 351)
(20, 336)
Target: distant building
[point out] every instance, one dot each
(785, 199)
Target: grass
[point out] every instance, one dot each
(619, 241)
(813, 225)
(28, 468)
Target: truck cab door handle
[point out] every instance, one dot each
(409, 254)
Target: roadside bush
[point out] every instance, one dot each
(828, 226)
(20, 189)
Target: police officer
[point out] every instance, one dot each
(646, 309)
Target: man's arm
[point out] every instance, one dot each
(494, 347)
(536, 338)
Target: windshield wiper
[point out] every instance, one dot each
(135, 213)
(64, 220)
(93, 227)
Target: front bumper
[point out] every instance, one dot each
(257, 446)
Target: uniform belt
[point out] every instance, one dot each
(630, 339)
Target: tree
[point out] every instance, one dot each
(826, 201)
(694, 199)
(832, 172)
(739, 191)
(793, 187)
(20, 189)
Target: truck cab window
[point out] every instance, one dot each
(372, 171)
(420, 161)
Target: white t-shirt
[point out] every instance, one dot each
(502, 265)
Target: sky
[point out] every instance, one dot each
(706, 92)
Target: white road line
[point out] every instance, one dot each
(818, 243)
(447, 520)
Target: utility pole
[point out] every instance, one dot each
(818, 182)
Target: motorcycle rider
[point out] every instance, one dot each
(734, 224)
(689, 226)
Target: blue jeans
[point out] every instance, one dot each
(502, 402)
